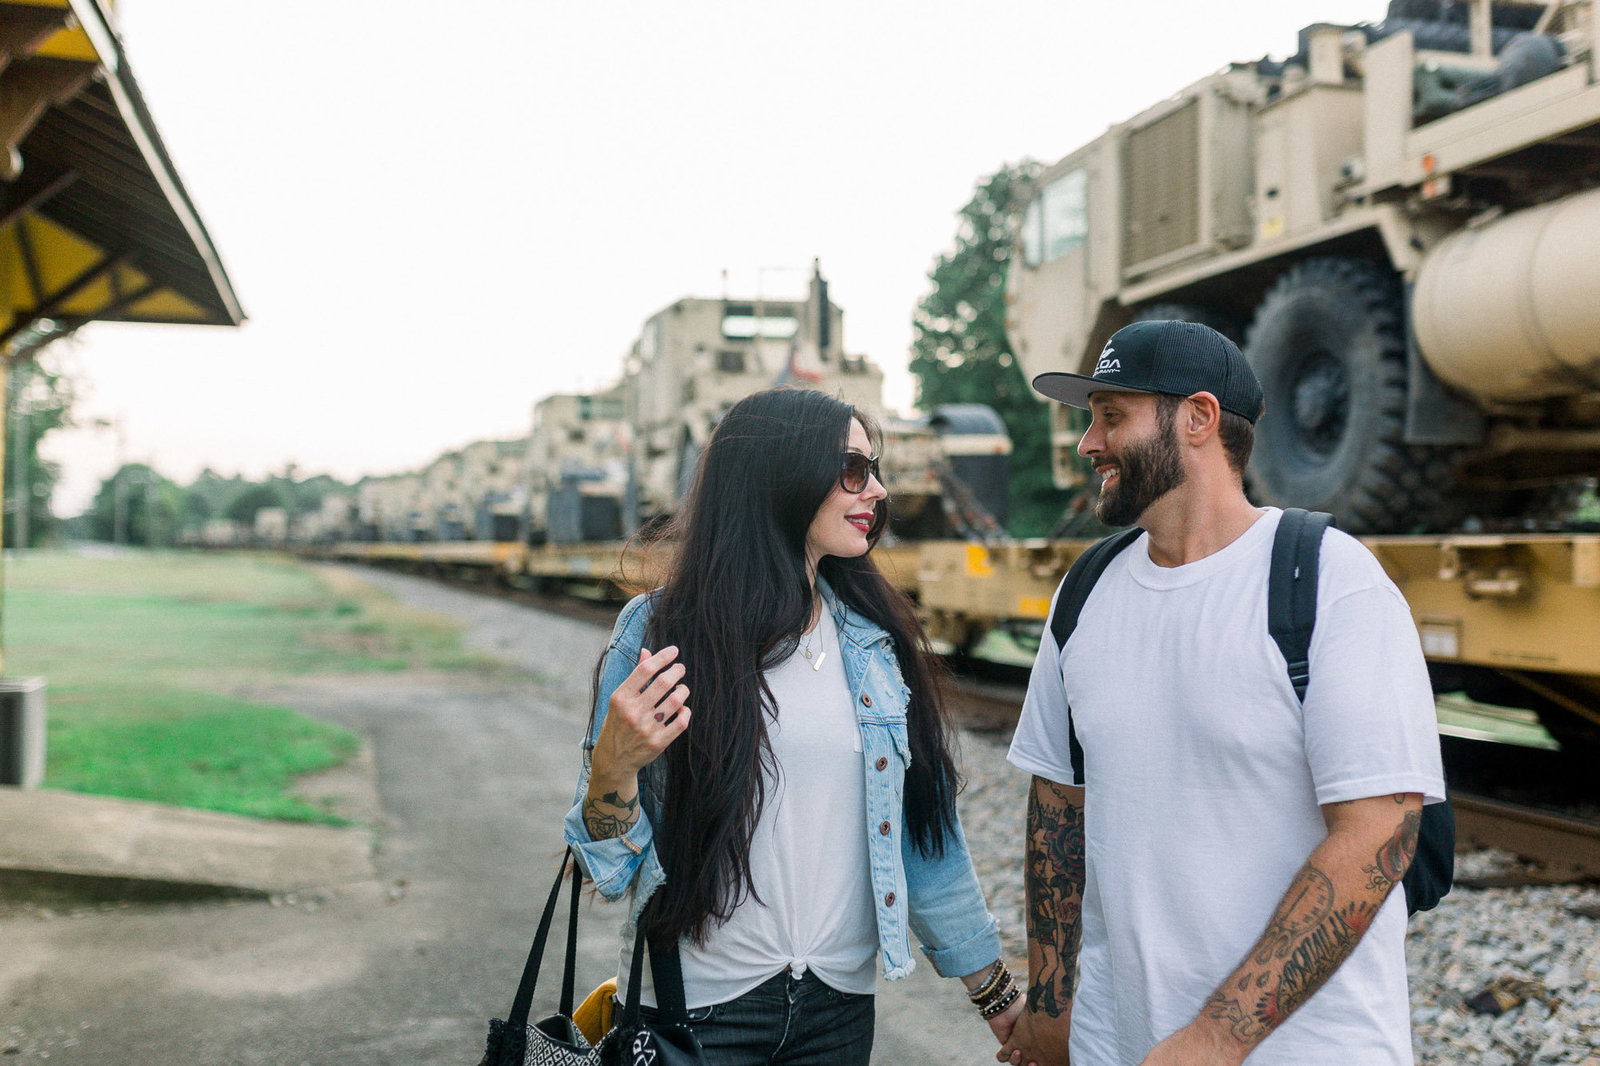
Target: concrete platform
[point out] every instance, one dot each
(98, 846)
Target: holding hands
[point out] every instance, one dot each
(1003, 1023)
(1036, 1039)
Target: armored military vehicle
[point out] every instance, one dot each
(1399, 224)
(947, 470)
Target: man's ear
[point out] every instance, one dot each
(1203, 418)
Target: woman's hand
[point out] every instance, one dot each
(1002, 1024)
(994, 981)
(646, 713)
(1037, 1039)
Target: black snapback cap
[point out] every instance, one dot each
(1165, 355)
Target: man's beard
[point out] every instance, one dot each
(1148, 470)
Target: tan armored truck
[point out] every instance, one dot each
(576, 467)
(947, 470)
(698, 357)
(1400, 224)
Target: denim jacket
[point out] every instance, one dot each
(936, 898)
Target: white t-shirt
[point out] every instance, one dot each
(808, 856)
(1204, 780)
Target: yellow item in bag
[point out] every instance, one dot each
(593, 1016)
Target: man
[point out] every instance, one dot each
(1217, 882)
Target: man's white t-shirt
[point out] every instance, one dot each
(1205, 778)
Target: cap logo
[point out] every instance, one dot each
(1170, 357)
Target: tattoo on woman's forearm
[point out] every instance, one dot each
(610, 815)
(1054, 883)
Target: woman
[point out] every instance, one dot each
(794, 821)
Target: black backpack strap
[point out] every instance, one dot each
(1291, 616)
(1292, 590)
(1081, 577)
(1070, 598)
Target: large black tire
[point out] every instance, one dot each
(1328, 344)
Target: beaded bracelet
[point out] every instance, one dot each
(990, 982)
(1004, 988)
(1002, 1003)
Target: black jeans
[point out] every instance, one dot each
(786, 1021)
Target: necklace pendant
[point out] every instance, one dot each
(817, 663)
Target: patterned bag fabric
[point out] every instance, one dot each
(651, 1045)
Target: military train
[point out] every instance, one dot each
(1398, 224)
(597, 467)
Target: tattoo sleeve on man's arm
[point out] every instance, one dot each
(1316, 926)
(1394, 858)
(1054, 882)
(610, 815)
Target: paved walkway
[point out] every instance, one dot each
(115, 848)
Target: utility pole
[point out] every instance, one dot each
(21, 496)
(119, 507)
(119, 492)
(5, 383)
(18, 478)
(150, 506)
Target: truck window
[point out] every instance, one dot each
(777, 327)
(1056, 221)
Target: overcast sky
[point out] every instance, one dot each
(436, 214)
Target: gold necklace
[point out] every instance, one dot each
(805, 641)
(805, 648)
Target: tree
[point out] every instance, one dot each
(137, 506)
(961, 354)
(206, 498)
(253, 498)
(38, 401)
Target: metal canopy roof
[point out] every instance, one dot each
(94, 221)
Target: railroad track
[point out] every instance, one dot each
(1553, 848)
(599, 611)
(984, 706)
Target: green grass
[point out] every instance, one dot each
(144, 654)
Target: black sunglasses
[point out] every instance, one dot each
(855, 471)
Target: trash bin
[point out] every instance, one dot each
(22, 731)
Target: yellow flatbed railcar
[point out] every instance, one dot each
(1515, 615)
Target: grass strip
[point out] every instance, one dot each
(145, 652)
(198, 750)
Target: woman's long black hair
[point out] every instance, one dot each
(736, 604)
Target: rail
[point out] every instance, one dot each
(1553, 848)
